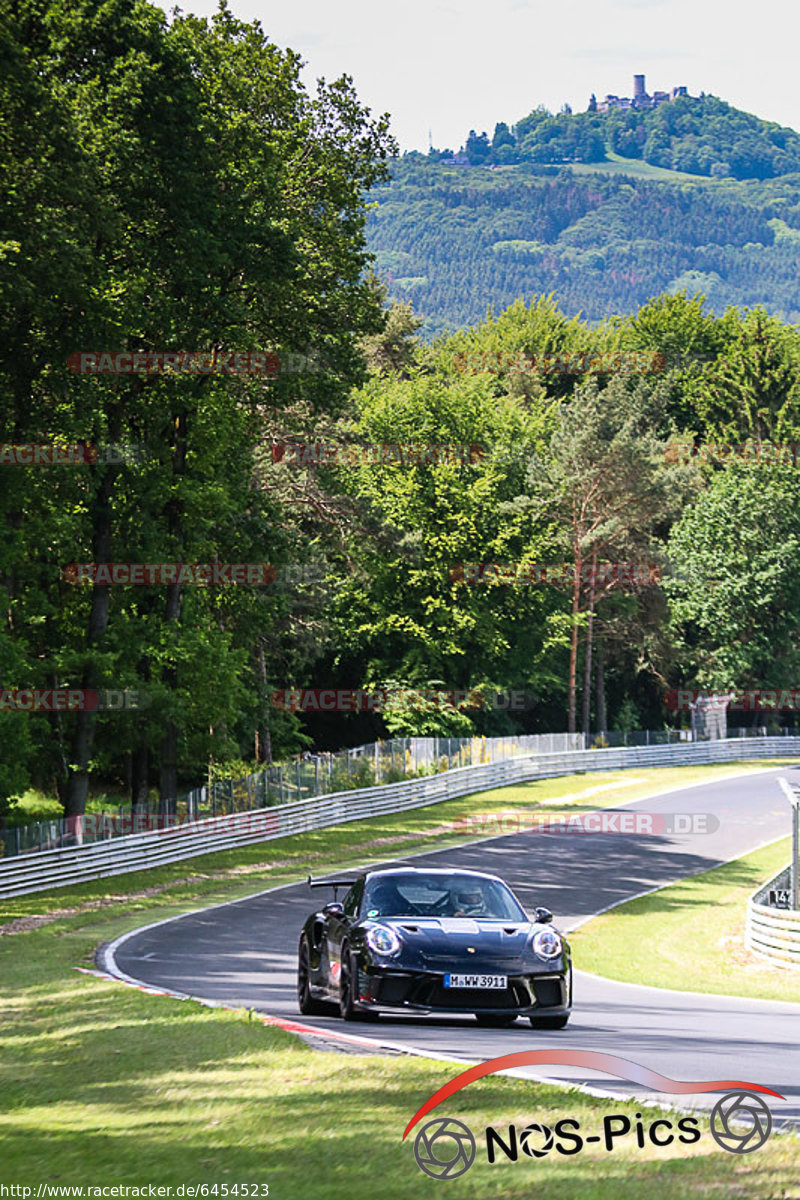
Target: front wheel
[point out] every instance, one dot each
(307, 1004)
(549, 1022)
(347, 1010)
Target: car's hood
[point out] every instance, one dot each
(447, 934)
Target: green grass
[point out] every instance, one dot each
(693, 929)
(618, 165)
(101, 1084)
(34, 805)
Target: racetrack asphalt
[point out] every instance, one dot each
(244, 953)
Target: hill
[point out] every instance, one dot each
(701, 135)
(457, 240)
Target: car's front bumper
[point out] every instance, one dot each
(543, 993)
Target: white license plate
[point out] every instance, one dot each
(487, 982)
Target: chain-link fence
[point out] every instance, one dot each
(313, 775)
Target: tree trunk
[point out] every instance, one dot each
(600, 684)
(168, 774)
(573, 649)
(77, 789)
(587, 666)
(140, 765)
(263, 735)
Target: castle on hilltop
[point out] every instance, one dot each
(639, 100)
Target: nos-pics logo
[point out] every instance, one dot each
(446, 1148)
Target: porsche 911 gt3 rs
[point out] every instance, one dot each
(415, 940)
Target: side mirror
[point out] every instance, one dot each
(334, 909)
(542, 915)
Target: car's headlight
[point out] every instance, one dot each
(383, 940)
(546, 943)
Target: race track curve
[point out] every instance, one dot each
(244, 953)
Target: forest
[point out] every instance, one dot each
(458, 241)
(234, 570)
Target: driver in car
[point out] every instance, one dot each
(469, 901)
(385, 901)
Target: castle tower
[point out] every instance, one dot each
(639, 91)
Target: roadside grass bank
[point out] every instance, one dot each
(229, 874)
(104, 1085)
(690, 935)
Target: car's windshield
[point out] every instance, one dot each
(440, 896)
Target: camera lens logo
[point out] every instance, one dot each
(532, 1134)
(444, 1148)
(746, 1109)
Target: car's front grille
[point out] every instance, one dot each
(466, 999)
(393, 991)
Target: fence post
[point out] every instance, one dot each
(796, 853)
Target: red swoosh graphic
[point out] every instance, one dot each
(623, 1068)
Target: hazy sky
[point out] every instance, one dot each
(449, 67)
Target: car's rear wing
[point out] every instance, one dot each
(331, 883)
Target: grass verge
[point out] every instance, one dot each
(104, 1085)
(691, 930)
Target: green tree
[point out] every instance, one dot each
(609, 489)
(735, 594)
(211, 204)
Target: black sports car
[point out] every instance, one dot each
(433, 941)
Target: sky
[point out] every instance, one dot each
(444, 68)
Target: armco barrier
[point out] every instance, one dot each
(773, 933)
(58, 868)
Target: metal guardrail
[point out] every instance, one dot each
(770, 932)
(308, 776)
(59, 868)
(772, 928)
(322, 774)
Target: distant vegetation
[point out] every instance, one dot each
(700, 135)
(459, 240)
